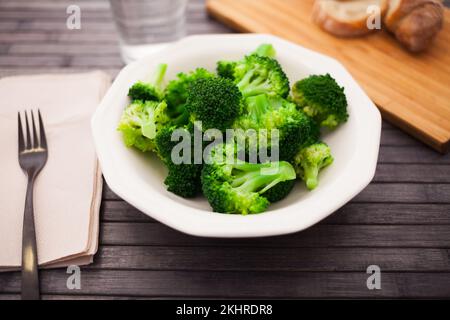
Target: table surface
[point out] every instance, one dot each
(400, 222)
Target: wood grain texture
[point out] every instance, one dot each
(391, 76)
(395, 236)
(271, 259)
(401, 222)
(251, 284)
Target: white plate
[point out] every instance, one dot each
(138, 178)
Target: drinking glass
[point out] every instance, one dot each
(147, 25)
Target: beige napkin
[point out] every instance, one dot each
(67, 192)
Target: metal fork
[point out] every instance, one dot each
(32, 158)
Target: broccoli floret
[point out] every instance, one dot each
(176, 94)
(226, 68)
(321, 98)
(164, 143)
(257, 75)
(141, 122)
(266, 50)
(279, 191)
(216, 102)
(149, 90)
(236, 186)
(295, 129)
(311, 134)
(182, 179)
(310, 160)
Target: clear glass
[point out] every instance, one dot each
(146, 25)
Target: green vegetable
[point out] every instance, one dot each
(141, 122)
(183, 179)
(260, 75)
(238, 187)
(257, 73)
(251, 95)
(226, 68)
(216, 102)
(152, 90)
(310, 160)
(266, 50)
(279, 191)
(294, 127)
(321, 98)
(176, 94)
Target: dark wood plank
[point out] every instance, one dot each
(9, 25)
(238, 285)
(96, 61)
(18, 37)
(63, 49)
(405, 193)
(391, 214)
(353, 213)
(394, 137)
(73, 37)
(413, 155)
(101, 28)
(70, 297)
(395, 236)
(43, 61)
(44, 25)
(4, 49)
(84, 37)
(270, 259)
(52, 5)
(121, 211)
(12, 71)
(388, 126)
(412, 173)
(49, 14)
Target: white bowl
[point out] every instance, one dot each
(138, 178)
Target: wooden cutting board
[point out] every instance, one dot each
(411, 90)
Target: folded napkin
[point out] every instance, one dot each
(67, 192)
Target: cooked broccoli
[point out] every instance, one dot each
(294, 128)
(250, 95)
(321, 98)
(310, 160)
(149, 90)
(236, 186)
(257, 75)
(183, 179)
(176, 94)
(216, 102)
(279, 191)
(141, 122)
(266, 50)
(226, 68)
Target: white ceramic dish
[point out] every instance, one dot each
(138, 178)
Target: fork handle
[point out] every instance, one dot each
(30, 280)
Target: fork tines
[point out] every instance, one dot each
(33, 140)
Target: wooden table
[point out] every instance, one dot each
(400, 222)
